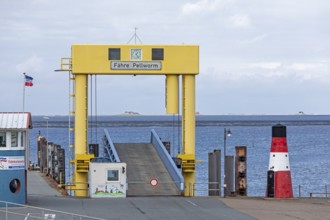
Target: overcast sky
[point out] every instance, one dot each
(256, 56)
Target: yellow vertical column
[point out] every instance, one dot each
(80, 130)
(172, 94)
(188, 132)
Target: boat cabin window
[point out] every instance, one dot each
(14, 139)
(2, 139)
(22, 134)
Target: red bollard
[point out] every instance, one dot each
(279, 184)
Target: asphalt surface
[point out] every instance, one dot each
(42, 194)
(45, 200)
(283, 209)
(141, 208)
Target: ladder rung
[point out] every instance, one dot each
(82, 171)
(72, 113)
(72, 78)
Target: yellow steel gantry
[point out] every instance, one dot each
(169, 60)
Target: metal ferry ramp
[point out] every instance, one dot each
(150, 169)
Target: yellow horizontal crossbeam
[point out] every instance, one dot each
(135, 59)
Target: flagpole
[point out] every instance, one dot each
(23, 92)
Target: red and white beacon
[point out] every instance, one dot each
(279, 184)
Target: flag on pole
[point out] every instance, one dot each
(28, 80)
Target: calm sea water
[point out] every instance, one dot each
(308, 141)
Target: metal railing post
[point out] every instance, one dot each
(299, 190)
(193, 190)
(326, 190)
(6, 211)
(61, 179)
(219, 188)
(189, 189)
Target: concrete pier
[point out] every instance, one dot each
(37, 184)
(42, 194)
(284, 209)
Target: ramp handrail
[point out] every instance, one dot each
(167, 160)
(109, 148)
